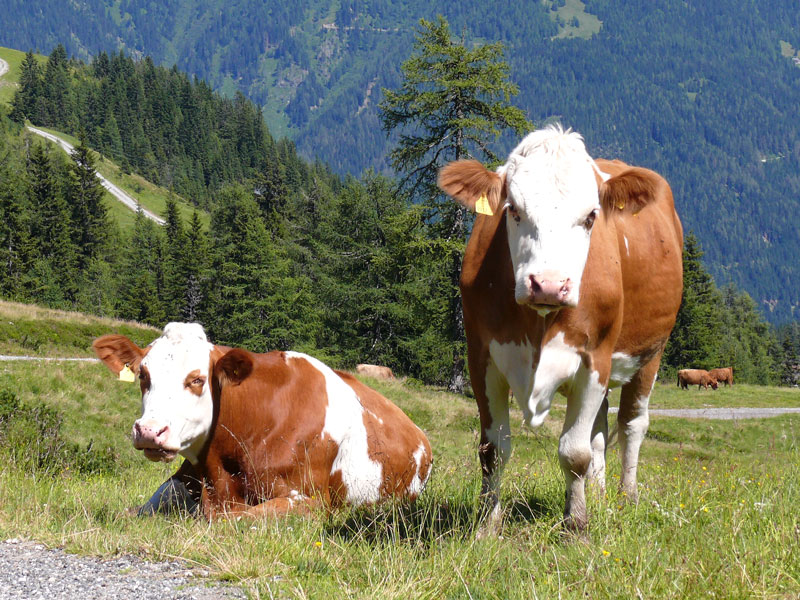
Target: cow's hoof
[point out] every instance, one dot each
(575, 523)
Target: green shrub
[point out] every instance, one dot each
(31, 437)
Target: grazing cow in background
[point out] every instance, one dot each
(723, 375)
(571, 282)
(698, 377)
(376, 371)
(266, 434)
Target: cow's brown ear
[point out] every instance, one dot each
(632, 190)
(473, 185)
(234, 367)
(116, 351)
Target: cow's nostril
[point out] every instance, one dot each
(162, 433)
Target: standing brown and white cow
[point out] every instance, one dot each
(571, 282)
(266, 433)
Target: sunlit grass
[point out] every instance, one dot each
(716, 518)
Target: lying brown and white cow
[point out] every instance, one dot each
(722, 375)
(571, 282)
(698, 377)
(266, 433)
(376, 371)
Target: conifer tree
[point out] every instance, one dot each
(694, 340)
(57, 91)
(139, 294)
(24, 103)
(453, 103)
(196, 269)
(174, 261)
(91, 225)
(16, 251)
(255, 301)
(51, 229)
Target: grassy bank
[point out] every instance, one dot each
(717, 516)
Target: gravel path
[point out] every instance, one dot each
(3, 67)
(723, 414)
(115, 191)
(29, 571)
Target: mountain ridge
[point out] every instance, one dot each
(705, 96)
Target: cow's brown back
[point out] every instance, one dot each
(723, 375)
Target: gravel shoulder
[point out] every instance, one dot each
(31, 571)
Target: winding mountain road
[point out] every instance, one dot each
(115, 191)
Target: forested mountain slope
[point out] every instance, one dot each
(705, 93)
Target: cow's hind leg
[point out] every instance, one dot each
(632, 423)
(597, 472)
(495, 445)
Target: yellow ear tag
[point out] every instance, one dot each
(621, 203)
(127, 375)
(482, 206)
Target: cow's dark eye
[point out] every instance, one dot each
(513, 212)
(198, 381)
(588, 223)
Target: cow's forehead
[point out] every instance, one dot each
(183, 347)
(552, 167)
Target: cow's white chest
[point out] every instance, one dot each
(344, 424)
(515, 363)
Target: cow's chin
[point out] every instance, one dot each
(160, 454)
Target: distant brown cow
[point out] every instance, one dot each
(376, 371)
(723, 375)
(699, 377)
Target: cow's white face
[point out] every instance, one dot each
(551, 205)
(177, 408)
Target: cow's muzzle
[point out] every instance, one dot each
(548, 291)
(151, 437)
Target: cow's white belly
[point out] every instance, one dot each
(623, 367)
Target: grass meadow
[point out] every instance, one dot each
(717, 518)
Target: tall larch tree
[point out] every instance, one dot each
(453, 103)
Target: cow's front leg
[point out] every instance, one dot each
(495, 445)
(575, 446)
(179, 493)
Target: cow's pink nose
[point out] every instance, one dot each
(549, 289)
(149, 434)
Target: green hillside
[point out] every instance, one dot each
(151, 197)
(707, 97)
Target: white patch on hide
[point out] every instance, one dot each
(417, 483)
(623, 367)
(558, 363)
(552, 187)
(344, 423)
